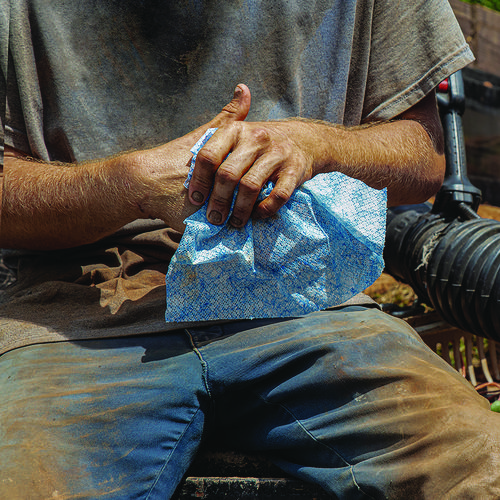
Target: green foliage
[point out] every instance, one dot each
(491, 4)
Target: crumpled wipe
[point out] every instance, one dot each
(322, 248)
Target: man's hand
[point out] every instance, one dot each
(404, 155)
(158, 174)
(259, 152)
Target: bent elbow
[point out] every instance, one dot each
(435, 178)
(419, 188)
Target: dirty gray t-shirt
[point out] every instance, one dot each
(90, 79)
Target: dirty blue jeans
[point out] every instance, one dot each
(349, 399)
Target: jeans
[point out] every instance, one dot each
(349, 399)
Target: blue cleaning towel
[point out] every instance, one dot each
(322, 248)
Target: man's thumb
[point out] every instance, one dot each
(236, 110)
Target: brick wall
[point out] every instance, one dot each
(481, 27)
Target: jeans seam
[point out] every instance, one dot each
(204, 368)
(204, 364)
(303, 427)
(162, 469)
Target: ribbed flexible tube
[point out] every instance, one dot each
(453, 265)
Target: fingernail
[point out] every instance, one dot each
(215, 217)
(197, 197)
(238, 91)
(235, 221)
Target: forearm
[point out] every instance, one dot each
(47, 206)
(52, 206)
(399, 155)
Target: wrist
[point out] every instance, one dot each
(322, 142)
(154, 180)
(121, 175)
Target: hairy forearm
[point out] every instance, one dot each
(49, 206)
(405, 155)
(398, 155)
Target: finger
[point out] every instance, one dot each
(208, 160)
(236, 110)
(251, 185)
(226, 178)
(210, 157)
(279, 196)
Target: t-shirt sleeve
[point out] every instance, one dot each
(415, 45)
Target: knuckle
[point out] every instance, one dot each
(288, 150)
(261, 135)
(284, 151)
(226, 174)
(234, 128)
(207, 158)
(218, 201)
(265, 210)
(231, 108)
(202, 184)
(250, 185)
(279, 196)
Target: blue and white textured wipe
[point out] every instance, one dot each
(322, 248)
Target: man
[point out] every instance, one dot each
(101, 397)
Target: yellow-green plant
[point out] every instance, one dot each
(491, 4)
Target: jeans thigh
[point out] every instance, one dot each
(117, 418)
(352, 400)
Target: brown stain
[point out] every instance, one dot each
(43, 475)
